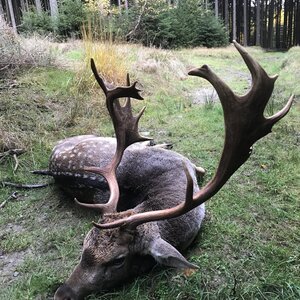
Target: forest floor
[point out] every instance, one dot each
(249, 246)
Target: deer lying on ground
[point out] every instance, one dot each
(155, 207)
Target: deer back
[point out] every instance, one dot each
(150, 178)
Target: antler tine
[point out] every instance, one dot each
(97, 77)
(126, 130)
(279, 115)
(244, 125)
(262, 83)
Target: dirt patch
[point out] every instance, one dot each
(9, 264)
(208, 95)
(204, 96)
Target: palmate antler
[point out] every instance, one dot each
(126, 130)
(244, 125)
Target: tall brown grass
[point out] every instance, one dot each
(110, 62)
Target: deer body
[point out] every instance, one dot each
(150, 178)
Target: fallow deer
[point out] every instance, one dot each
(155, 207)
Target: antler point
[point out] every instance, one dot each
(274, 77)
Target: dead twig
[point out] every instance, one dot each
(14, 153)
(5, 67)
(14, 195)
(17, 162)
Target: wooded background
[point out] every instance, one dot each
(272, 24)
(266, 23)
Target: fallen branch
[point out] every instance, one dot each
(25, 186)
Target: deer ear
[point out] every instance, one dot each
(167, 255)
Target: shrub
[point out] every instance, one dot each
(38, 22)
(146, 22)
(72, 15)
(187, 25)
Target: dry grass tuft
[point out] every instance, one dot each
(163, 62)
(39, 51)
(10, 140)
(110, 62)
(8, 44)
(17, 51)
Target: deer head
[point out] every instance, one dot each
(113, 248)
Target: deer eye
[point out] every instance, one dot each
(118, 262)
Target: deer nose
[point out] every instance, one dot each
(65, 293)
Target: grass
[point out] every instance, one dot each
(248, 247)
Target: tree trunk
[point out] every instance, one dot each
(239, 20)
(1, 9)
(226, 15)
(234, 19)
(23, 7)
(53, 9)
(297, 25)
(38, 6)
(278, 25)
(271, 24)
(245, 40)
(258, 8)
(12, 15)
(249, 15)
(119, 6)
(216, 9)
(264, 27)
(290, 23)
